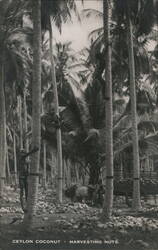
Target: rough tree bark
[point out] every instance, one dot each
(56, 102)
(36, 119)
(108, 201)
(136, 162)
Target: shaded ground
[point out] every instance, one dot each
(75, 226)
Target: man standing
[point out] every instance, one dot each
(23, 174)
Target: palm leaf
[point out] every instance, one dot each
(92, 13)
(59, 10)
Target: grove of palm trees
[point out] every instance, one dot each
(78, 124)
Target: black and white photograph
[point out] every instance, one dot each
(78, 124)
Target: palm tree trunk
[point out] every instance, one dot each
(8, 166)
(15, 160)
(64, 174)
(2, 132)
(36, 120)
(52, 173)
(44, 165)
(59, 142)
(20, 121)
(108, 201)
(136, 162)
(121, 168)
(25, 123)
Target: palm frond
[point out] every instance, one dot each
(92, 13)
(82, 107)
(60, 11)
(95, 33)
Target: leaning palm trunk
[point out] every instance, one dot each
(136, 163)
(108, 201)
(59, 143)
(2, 131)
(36, 111)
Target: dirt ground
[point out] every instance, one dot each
(75, 226)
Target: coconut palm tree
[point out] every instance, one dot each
(36, 113)
(128, 11)
(108, 202)
(136, 161)
(57, 11)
